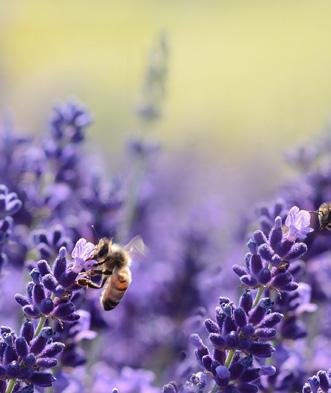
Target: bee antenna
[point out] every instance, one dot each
(94, 230)
(314, 211)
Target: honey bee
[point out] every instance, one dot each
(324, 215)
(114, 261)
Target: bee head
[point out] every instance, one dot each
(103, 248)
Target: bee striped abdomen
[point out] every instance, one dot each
(117, 285)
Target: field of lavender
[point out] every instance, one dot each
(217, 303)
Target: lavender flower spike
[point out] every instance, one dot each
(298, 224)
(82, 254)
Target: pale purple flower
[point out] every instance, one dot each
(82, 254)
(298, 224)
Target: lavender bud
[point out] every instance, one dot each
(292, 286)
(281, 280)
(248, 330)
(21, 300)
(261, 350)
(211, 326)
(265, 333)
(13, 369)
(271, 320)
(297, 251)
(42, 379)
(217, 340)
(44, 268)
(284, 247)
(265, 252)
(46, 362)
(256, 264)
(60, 265)
(38, 344)
(231, 339)
(239, 270)
(196, 340)
(268, 370)
(30, 360)
(46, 306)
(246, 301)
(59, 291)
(252, 246)
(50, 282)
(38, 293)
(27, 331)
(207, 362)
(250, 375)
(259, 237)
(9, 355)
(275, 236)
(276, 260)
(264, 276)
(52, 350)
(240, 317)
(169, 388)
(222, 372)
(256, 315)
(35, 275)
(31, 311)
(314, 383)
(324, 380)
(306, 388)
(22, 347)
(219, 357)
(248, 280)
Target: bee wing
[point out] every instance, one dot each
(136, 247)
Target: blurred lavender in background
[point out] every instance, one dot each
(271, 330)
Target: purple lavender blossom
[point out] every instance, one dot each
(298, 224)
(318, 382)
(82, 255)
(26, 359)
(50, 291)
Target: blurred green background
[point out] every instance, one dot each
(246, 78)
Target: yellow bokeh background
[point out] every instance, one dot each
(247, 78)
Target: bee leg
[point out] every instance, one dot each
(104, 272)
(84, 282)
(98, 263)
(97, 271)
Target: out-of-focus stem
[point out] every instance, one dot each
(229, 358)
(10, 386)
(258, 296)
(40, 325)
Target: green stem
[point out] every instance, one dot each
(229, 358)
(259, 293)
(40, 325)
(10, 386)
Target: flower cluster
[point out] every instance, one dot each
(239, 335)
(318, 382)
(27, 358)
(50, 291)
(269, 259)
